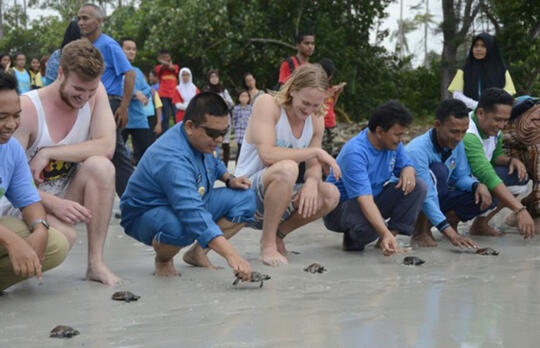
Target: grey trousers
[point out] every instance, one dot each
(402, 210)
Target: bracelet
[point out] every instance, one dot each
(228, 181)
(280, 234)
(520, 210)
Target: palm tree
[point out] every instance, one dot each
(425, 19)
(405, 27)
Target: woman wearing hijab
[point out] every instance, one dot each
(51, 68)
(184, 92)
(214, 85)
(484, 68)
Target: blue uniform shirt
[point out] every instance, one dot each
(366, 169)
(424, 150)
(180, 180)
(137, 116)
(116, 64)
(16, 181)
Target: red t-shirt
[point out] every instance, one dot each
(177, 98)
(167, 81)
(285, 70)
(330, 117)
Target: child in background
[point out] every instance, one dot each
(240, 117)
(35, 74)
(153, 111)
(331, 100)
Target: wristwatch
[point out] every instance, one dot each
(228, 181)
(37, 222)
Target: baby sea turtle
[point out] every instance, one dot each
(413, 261)
(126, 296)
(254, 278)
(63, 331)
(487, 251)
(315, 268)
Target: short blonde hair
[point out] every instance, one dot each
(305, 76)
(82, 58)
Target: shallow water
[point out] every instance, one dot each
(455, 299)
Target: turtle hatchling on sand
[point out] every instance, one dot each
(255, 277)
(126, 296)
(487, 251)
(413, 261)
(63, 331)
(315, 268)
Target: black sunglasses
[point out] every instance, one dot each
(215, 133)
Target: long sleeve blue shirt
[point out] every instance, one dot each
(181, 179)
(137, 118)
(423, 151)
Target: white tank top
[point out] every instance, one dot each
(57, 174)
(250, 163)
(80, 132)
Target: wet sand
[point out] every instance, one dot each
(456, 299)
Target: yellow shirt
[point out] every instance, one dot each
(35, 79)
(458, 83)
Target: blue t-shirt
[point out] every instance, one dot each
(116, 64)
(23, 81)
(51, 68)
(15, 178)
(181, 180)
(365, 169)
(137, 118)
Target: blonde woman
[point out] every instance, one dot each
(282, 156)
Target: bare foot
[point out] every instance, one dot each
(102, 274)
(480, 227)
(281, 247)
(424, 240)
(165, 269)
(272, 257)
(511, 220)
(196, 256)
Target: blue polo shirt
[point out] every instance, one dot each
(424, 150)
(16, 182)
(365, 169)
(182, 180)
(137, 115)
(116, 64)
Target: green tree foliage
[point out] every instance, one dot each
(517, 25)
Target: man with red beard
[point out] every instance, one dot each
(67, 130)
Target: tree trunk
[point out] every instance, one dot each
(1, 20)
(426, 24)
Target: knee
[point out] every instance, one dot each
(420, 189)
(285, 172)
(99, 168)
(330, 197)
(57, 249)
(245, 201)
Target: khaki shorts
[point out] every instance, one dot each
(57, 250)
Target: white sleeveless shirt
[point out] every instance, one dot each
(249, 162)
(57, 174)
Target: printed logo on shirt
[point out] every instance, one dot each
(57, 169)
(392, 163)
(2, 191)
(452, 164)
(202, 190)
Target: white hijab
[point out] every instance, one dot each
(186, 90)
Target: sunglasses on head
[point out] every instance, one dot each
(215, 133)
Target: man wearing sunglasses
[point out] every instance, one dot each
(171, 202)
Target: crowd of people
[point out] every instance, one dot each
(63, 155)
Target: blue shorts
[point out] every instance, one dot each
(162, 223)
(257, 186)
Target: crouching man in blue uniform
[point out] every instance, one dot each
(170, 201)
